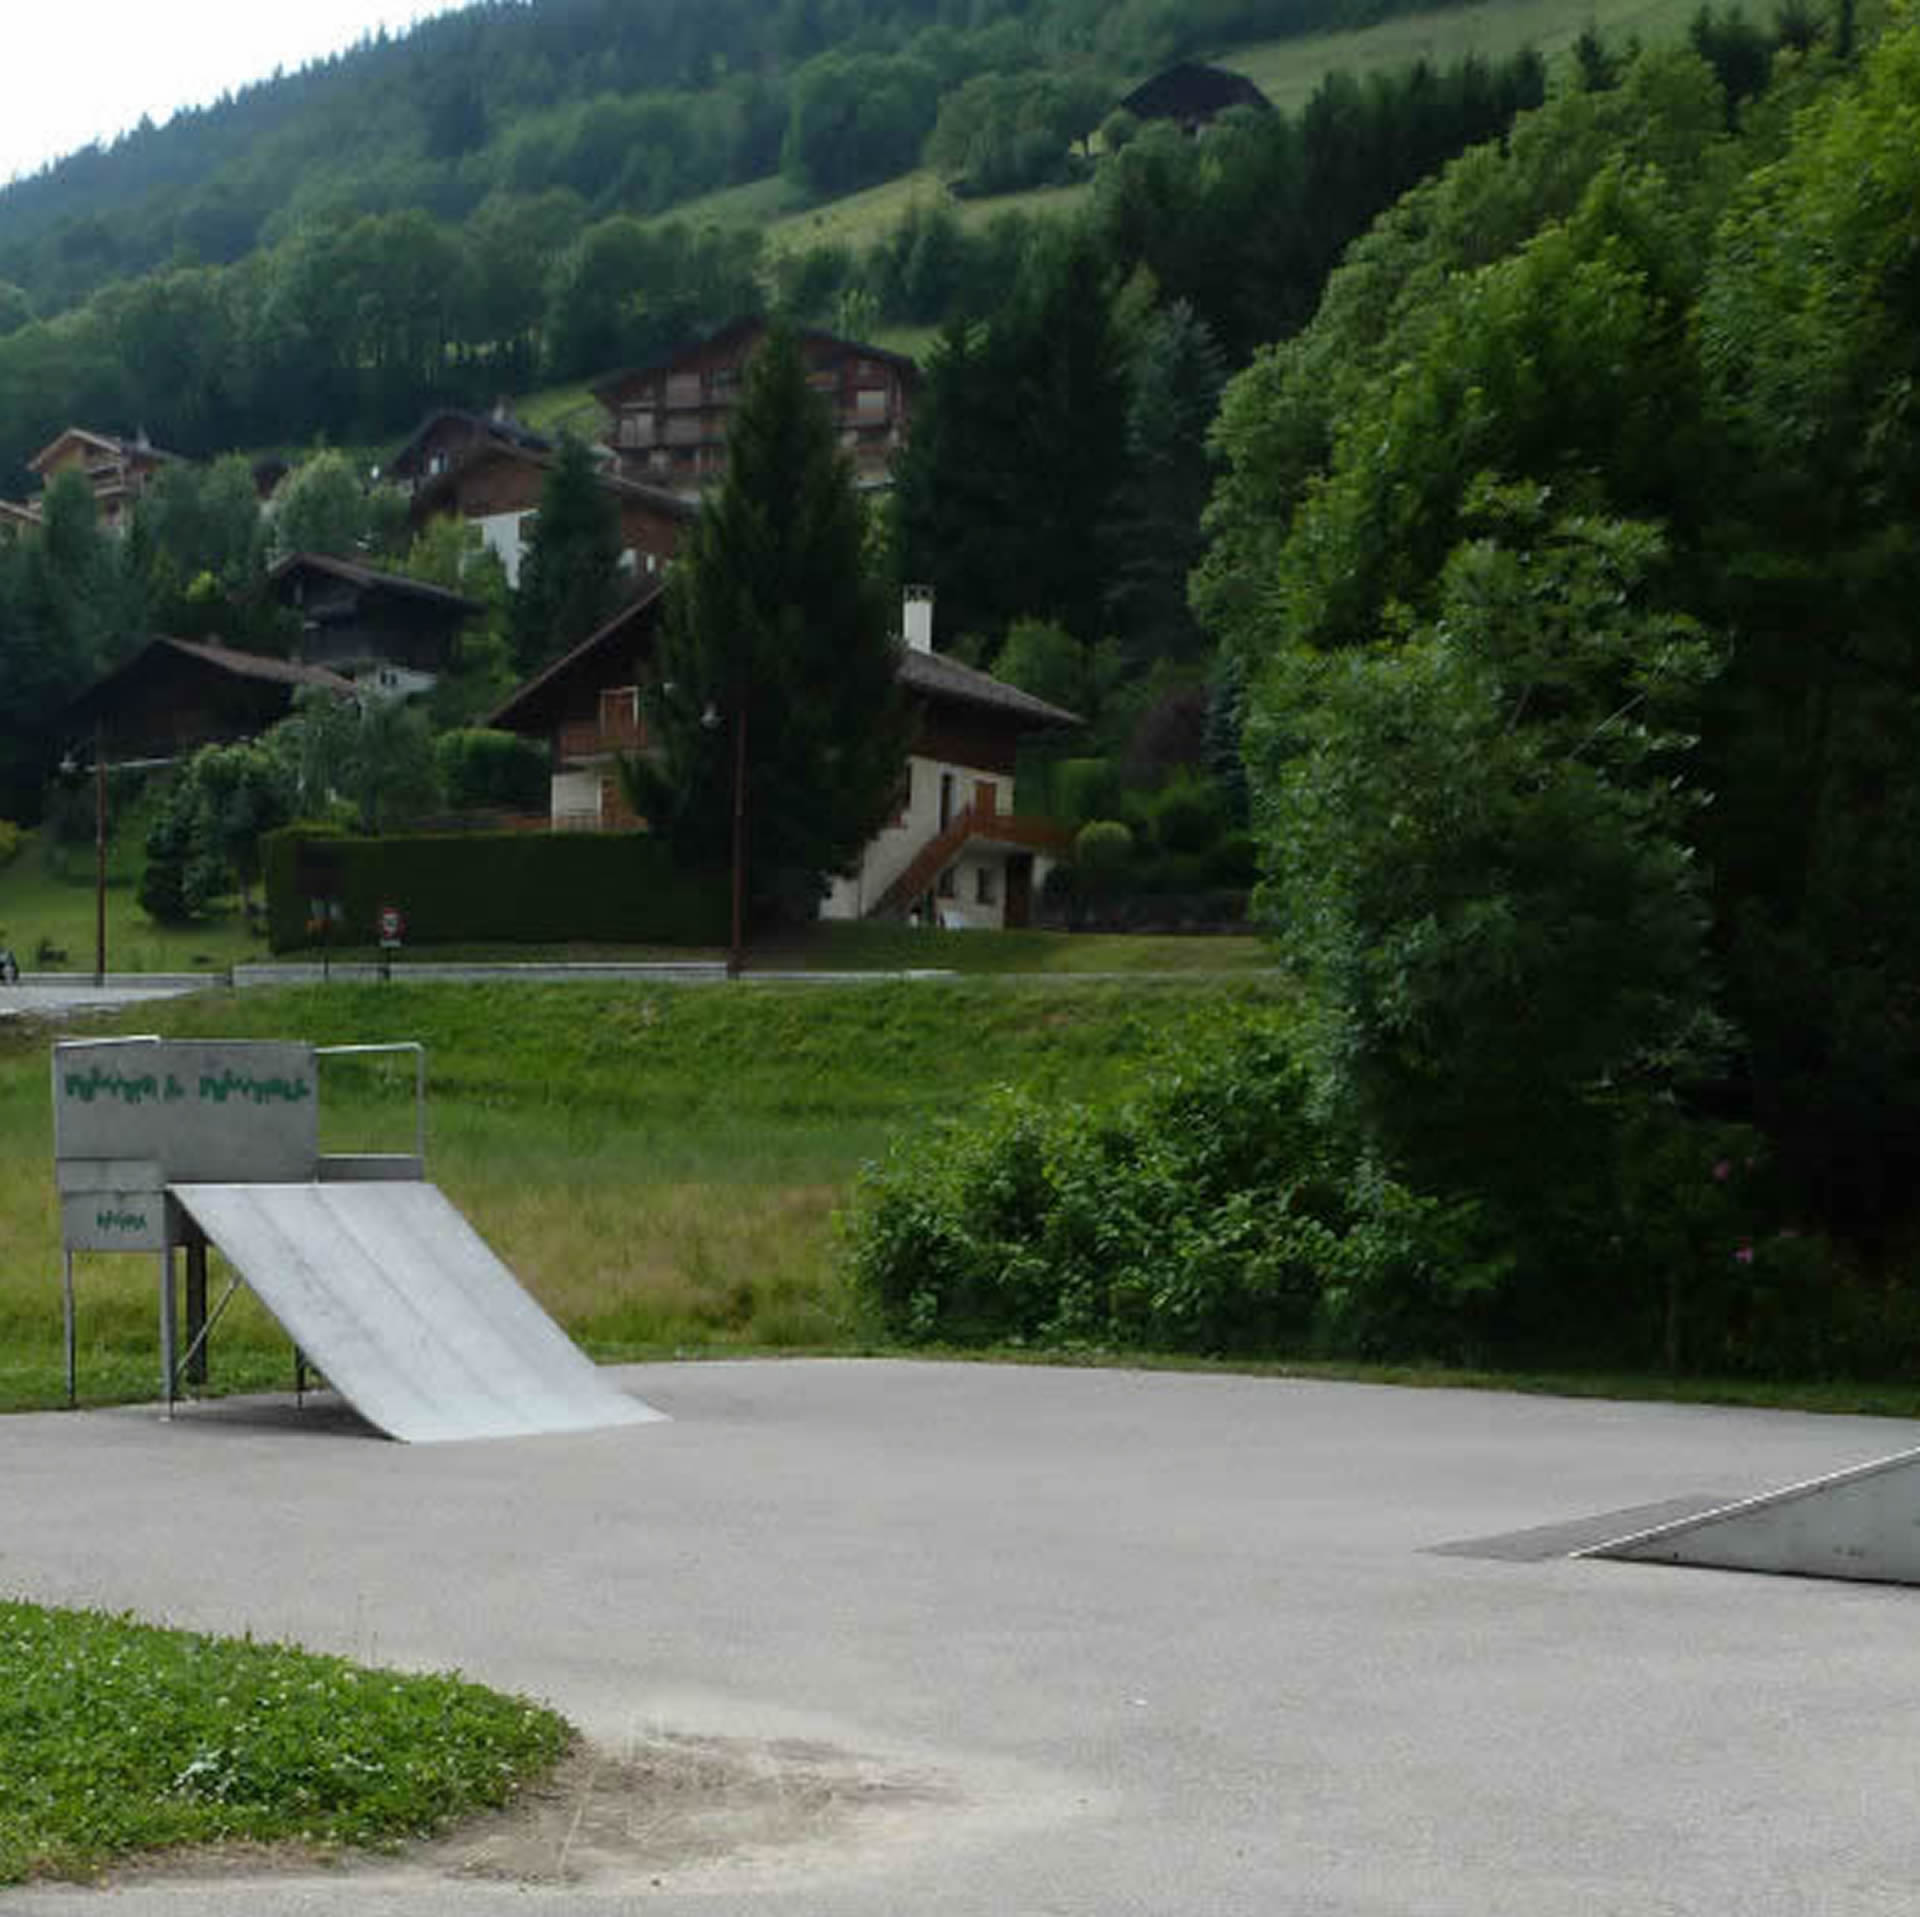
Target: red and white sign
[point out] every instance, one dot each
(393, 925)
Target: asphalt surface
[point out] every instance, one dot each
(1121, 1642)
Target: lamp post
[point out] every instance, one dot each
(99, 856)
(710, 719)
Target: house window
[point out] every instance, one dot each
(903, 797)
(947, 886)
(983, 885)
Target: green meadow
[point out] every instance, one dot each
(660, 1165)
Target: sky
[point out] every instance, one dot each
(78, 70)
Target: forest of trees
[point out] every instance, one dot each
(1563, 566)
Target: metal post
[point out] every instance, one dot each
(100, 855)
(168, 1339)
(735, 955)
(196, 1310)
(72, 1376)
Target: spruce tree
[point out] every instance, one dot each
(570, 581)
(774, 624)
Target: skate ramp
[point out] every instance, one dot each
(1863, 1523)
(406, 1310)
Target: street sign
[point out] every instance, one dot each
(392, 923)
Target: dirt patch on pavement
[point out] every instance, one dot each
(671, 1802)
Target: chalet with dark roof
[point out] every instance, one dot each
(1193, 95)
(667, 421)
(443, 439)
(176, 695)
(955, 852)
(496, 485)
(384, 631)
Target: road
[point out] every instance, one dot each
(1056, 1641)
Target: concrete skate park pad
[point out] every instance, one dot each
(1101, 1642)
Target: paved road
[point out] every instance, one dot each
(1123, 1642)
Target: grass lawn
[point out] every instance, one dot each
(661, 1165)
(117, 1737)
(53, 899)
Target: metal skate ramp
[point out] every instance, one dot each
(1862, 1524)
(406, 1309)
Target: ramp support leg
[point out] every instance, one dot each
(196, 1310)
(167, 1332)
(72, 1380)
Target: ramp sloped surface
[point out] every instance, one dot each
(1862, 1523)
(406, 1309)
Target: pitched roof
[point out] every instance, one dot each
(368, 580)
(434, 491)
(502, 428)
(1191, 90)
(524, 699)
(249, 665)
(936, 677)
(15, 515)
(739, 329)
(104, 442)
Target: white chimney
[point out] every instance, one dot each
(916, 618)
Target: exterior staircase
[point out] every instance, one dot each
(967, 826)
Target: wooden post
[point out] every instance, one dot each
(735, 953)
(100, 855)
(197, 1310)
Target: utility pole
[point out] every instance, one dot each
(735, 954)
(100, 854)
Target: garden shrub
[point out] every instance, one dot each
(11, 840)
(482, 769)
(1215, 1213)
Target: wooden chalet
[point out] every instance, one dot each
(443, 439)
(15, 518)
(118, 470)
(588, 706)
(1193, 95)
(496, 484)
(667, 421)
(176, 695)
(956, 853)
(381, 629)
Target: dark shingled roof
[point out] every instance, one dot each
(941, 678)
(523, 706)
(369, 580)
(1191, 91)
(255, 665)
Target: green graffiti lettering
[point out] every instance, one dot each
(221, 1086)
(94, 1083)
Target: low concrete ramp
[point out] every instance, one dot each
(1862, 1524)
(406, 1310)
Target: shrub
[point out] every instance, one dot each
(1102, 846)
(1213, 1214)
(484, 769)
(11, 840)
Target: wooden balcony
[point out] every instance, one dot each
(616, 731)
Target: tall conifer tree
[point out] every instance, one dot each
(773, 623)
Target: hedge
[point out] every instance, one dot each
(533, 887)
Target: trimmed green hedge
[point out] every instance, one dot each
(529, 886)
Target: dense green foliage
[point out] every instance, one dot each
(777, 688)
(481, 769)
(570, 579)
(347, 314)
(204, 841)
(117, 1737)
(1564, 562)
(510, 886)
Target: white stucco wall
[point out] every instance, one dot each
(576, 799)
(894, 847)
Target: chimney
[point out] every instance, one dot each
(916, 618)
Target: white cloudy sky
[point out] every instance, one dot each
(78, 70)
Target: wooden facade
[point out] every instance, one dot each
(667, 421)
(175, 695)
(118, 470)
(355, 621)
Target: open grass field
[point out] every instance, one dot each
(661, 1165)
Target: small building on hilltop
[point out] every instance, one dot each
(118, 470)
(1193, 95)
(384, 631)
(176, 695)
(667, 421)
